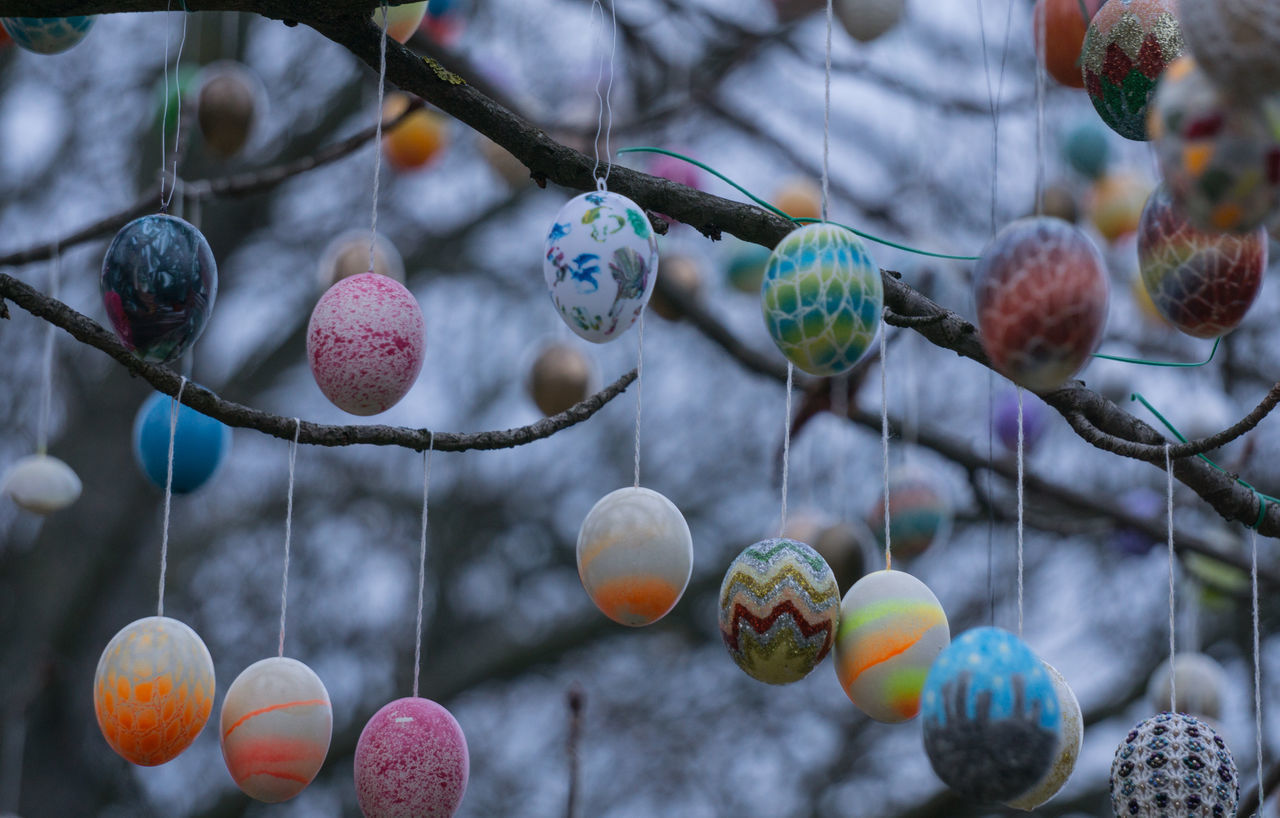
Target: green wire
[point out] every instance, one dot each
(1143, 362)
(785, 215)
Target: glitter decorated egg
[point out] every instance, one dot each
(991, 716)
(1173, 764)
(227, 106)
(867, 20)
(799, 198)
(41, 484)
(159, 282)
(1200, 682)
(1088, 150)
(366, 341)
(348, 255)
(681, 273)
(416, 139)
(1115, 204)
(200, 444)
(1035, 421)
(600, 263)
(1067, 751)
(746, 267)
(1202, 283)
(47, 35)
(779, 606)
(919, 513)
(1220, 159)
(1235, 42)
(1065, 23)
(402, 20)
(635, 555)
(411, 761)
(822, 297)
(1041, 291)
(153, 690)
(892, 628)
(1128, 46)
(275, 727)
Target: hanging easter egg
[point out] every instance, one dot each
(1035, 421)
(1088, 149)
(1059, 202)
(1202, 283)
(1059, 42)
(1140, 502)
(1128, 46)
(561, 376)
(1200, 683)
(1173, 764)
(1220, 159)
(5, 39)
(746, 267)
(919, 513)
(892, 628)
(600, 263)
(443, 8)
(779, 606)
(1235, 42)
(1065, 754)
(47, 35)
(401, 20)
(844, 546)
(1115, 204)
(677, 170)
(635, 555)
(153, 690)
(822, 297)
(275, 728)
(415, 140)
(365, 341)
(991, 716)
(200, 444)
(227, 105)
(508, 168)
(799, 198)
(41, 484)
(348, 255)
(159, 282)
(680, 273)
(411, 760)
(1041, 291)
(867, 20)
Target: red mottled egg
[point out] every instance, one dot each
(411, 761)
(1065, 23)
(365, 342)
(1235, 42)
(1041, 292)
(1128, 46)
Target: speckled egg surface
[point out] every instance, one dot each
(411, 761)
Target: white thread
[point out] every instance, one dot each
(993, 100)
(1173, 644)
(884, 443)
(177, 128)
(46, 364)
(1040, 83)
(639, 392)
(168, 496)
(1020, 470)
(1257, 670)
(422, 559)
(991, 516)
(786, 450)
(604, 122)
(377, 135)
(826, 119)
(288, 533)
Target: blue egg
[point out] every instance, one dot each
(991, 716)
(200, 444)
(47, 35)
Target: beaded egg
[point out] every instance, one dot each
(159, 281)
(822, 297)
(1202, 283)
(1065, 23)
(47, 35)
(560, 377)
(1200, 683)
(1035, 421)
(41, 484)
(779, 606)
(153, 690)
(1173, 764)
(1235, 42)
(635, 555)
(348, 255)
(1128, 46)
(867, 20)
(1041, 292)
(200, 444)
(1087, 149)
(275, 726)
(411, 761)
(227, 106)
(992, 721)
(366, 341)
(919, 512)
(600, 263)
(892, 628)
(1220, 159)
(402, 20)
(1067, 752)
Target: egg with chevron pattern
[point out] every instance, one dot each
(779, 606)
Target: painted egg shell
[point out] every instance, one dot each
(561, 376)
(991, 716)
(1127, 48)
(1068, 749)
(1088, 149)
(41, 484)
(822, 297)
(919, 513)
(635, 555)
(1162, 747)
(153, 690)
(159, 282)
(1235, 42)
(1220, 159)
(1059, 201)
(366, 341)
(47, 35)
(892, 628)
(1035, 421)
(677, 170)
(1115, 204)
(1202, 283)
(1041, 291)
(411, 761)
(1063, 36)
(799, 198)
(680, 272)
(779, 606)
(745, 270)
(402, 20)
(200, 444)
(229, 101)
(348, 255)
(276, 724)
(416, 139)
(867, 20)
(600, 264)
(1200, 681)
(844, 545)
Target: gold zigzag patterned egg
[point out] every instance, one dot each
(779, 606)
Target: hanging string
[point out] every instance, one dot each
(46, 364)
(884, 442)
(164, 120)
(991, 509)
(640, 392)
(422, 559)
(826, 120)
(604, 121)
(377, 135)
(1020, 510)
(1257, 669)
(993, 98)
(1040, 89)
(168, 496)
(288, 533)
(1173, 684)
(786, 449)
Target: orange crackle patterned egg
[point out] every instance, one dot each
(153, 691)
(275, 728)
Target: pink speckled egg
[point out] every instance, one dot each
(411, 761)
(365, 342)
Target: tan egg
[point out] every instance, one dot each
(561, 376)
(508, 168)
(680, 272)
(227, 107)
(1060, 203)
(800, 199)
(348, 255)
(843, 546)
(417, 139)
